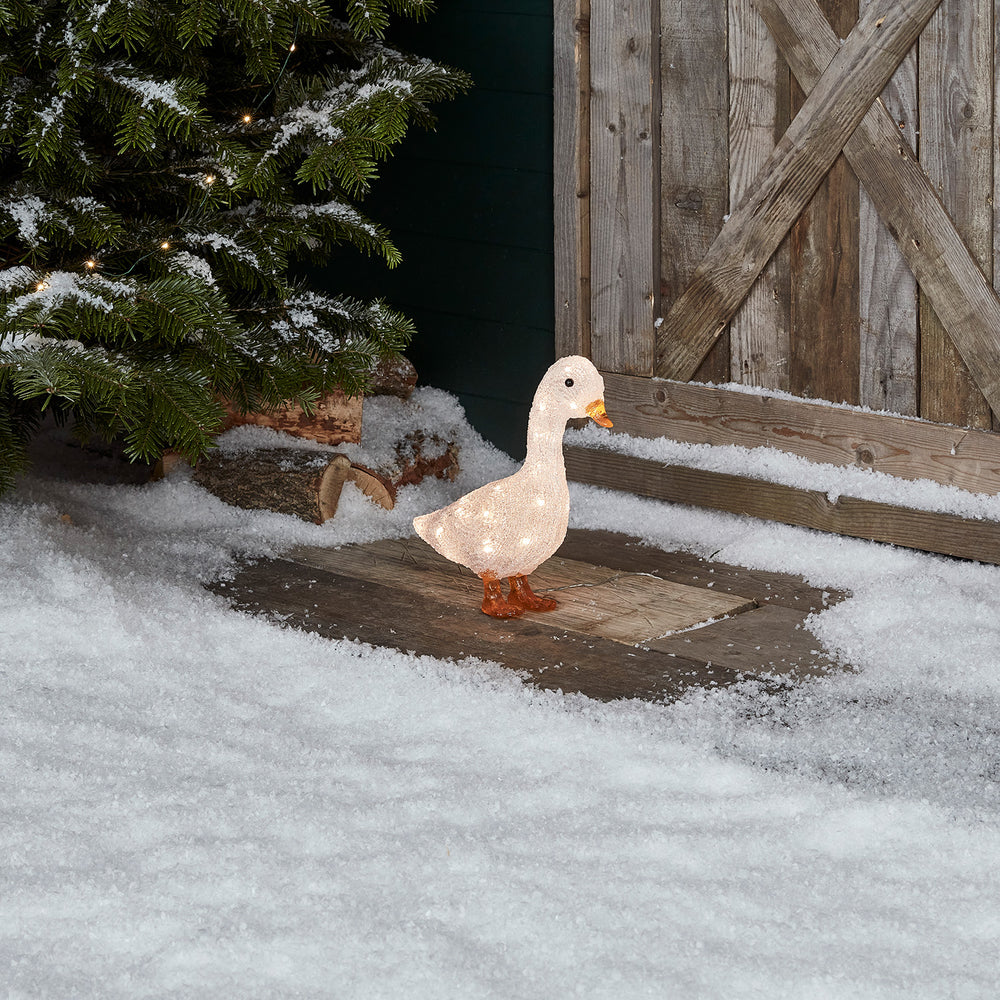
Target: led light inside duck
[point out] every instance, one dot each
(527, 512)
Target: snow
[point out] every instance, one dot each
(197, 803)
(54, 288)
(150, 92)
(192, 265)
(790, 470)
(28, 214)
(338, 210)
(227, 245)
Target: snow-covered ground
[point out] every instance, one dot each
(199, 804)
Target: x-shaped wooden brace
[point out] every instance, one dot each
(841, 113)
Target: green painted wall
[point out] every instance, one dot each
(470, 207)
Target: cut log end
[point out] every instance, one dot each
(377, 488)
(331, 483)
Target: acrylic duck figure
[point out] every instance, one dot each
(508, 528)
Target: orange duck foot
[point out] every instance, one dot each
(493, 600)
(521, 596)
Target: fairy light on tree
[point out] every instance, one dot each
(245, 140)
(507, 529)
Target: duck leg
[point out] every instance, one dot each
(521, 596)
(493, 599)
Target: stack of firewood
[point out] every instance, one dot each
(307, 483)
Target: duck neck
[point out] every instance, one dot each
(545, 436)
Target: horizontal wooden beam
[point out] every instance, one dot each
(900, 446)
(916, 529)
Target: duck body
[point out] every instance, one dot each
(507, 528)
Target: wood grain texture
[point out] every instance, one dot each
(910, 449)
(338, 606)
(996, 165)
(906, 200)
(321, 594)
(887, 299)
(631, 608)
(624, 132)
(694, 162)
(625, 552)
(305, 484)
(825, 336)
(956, 142)
(772, 639)
(916, 529)
(830, 114)
(571, 175)
(759, 332)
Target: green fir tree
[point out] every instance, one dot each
(165, 165)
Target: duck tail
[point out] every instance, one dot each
(422, 526)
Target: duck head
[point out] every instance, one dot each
(575, 387)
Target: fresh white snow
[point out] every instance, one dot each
(197, 803)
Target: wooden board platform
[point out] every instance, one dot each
(632, 621)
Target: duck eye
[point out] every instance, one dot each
(569, 383)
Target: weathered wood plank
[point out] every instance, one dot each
(996, 164)
(624, 552)
(630, 608)
(906, 201)
(623, 132)
(916, 529)
(772, 639)
(338, 606)
(759, 332)
(694, 195)
(888, 291)
(910, 449)
(311, 594)
(825, 337)
(956, 143)
(571, 175)
(834, 108)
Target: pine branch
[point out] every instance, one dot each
(163, 166)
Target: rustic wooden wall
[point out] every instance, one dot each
(665, 116)
(687, 132)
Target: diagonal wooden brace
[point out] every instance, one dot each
(833, 110)
(963, 299)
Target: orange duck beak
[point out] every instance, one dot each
(597, 413)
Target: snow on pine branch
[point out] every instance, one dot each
(332, 324)
(227, 245)
(48, 291)
(193, 266)
(338, 210)
(165, 93)
(320, 116)
(35, 219)
(28, 213)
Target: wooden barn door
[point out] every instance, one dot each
(791, 195)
